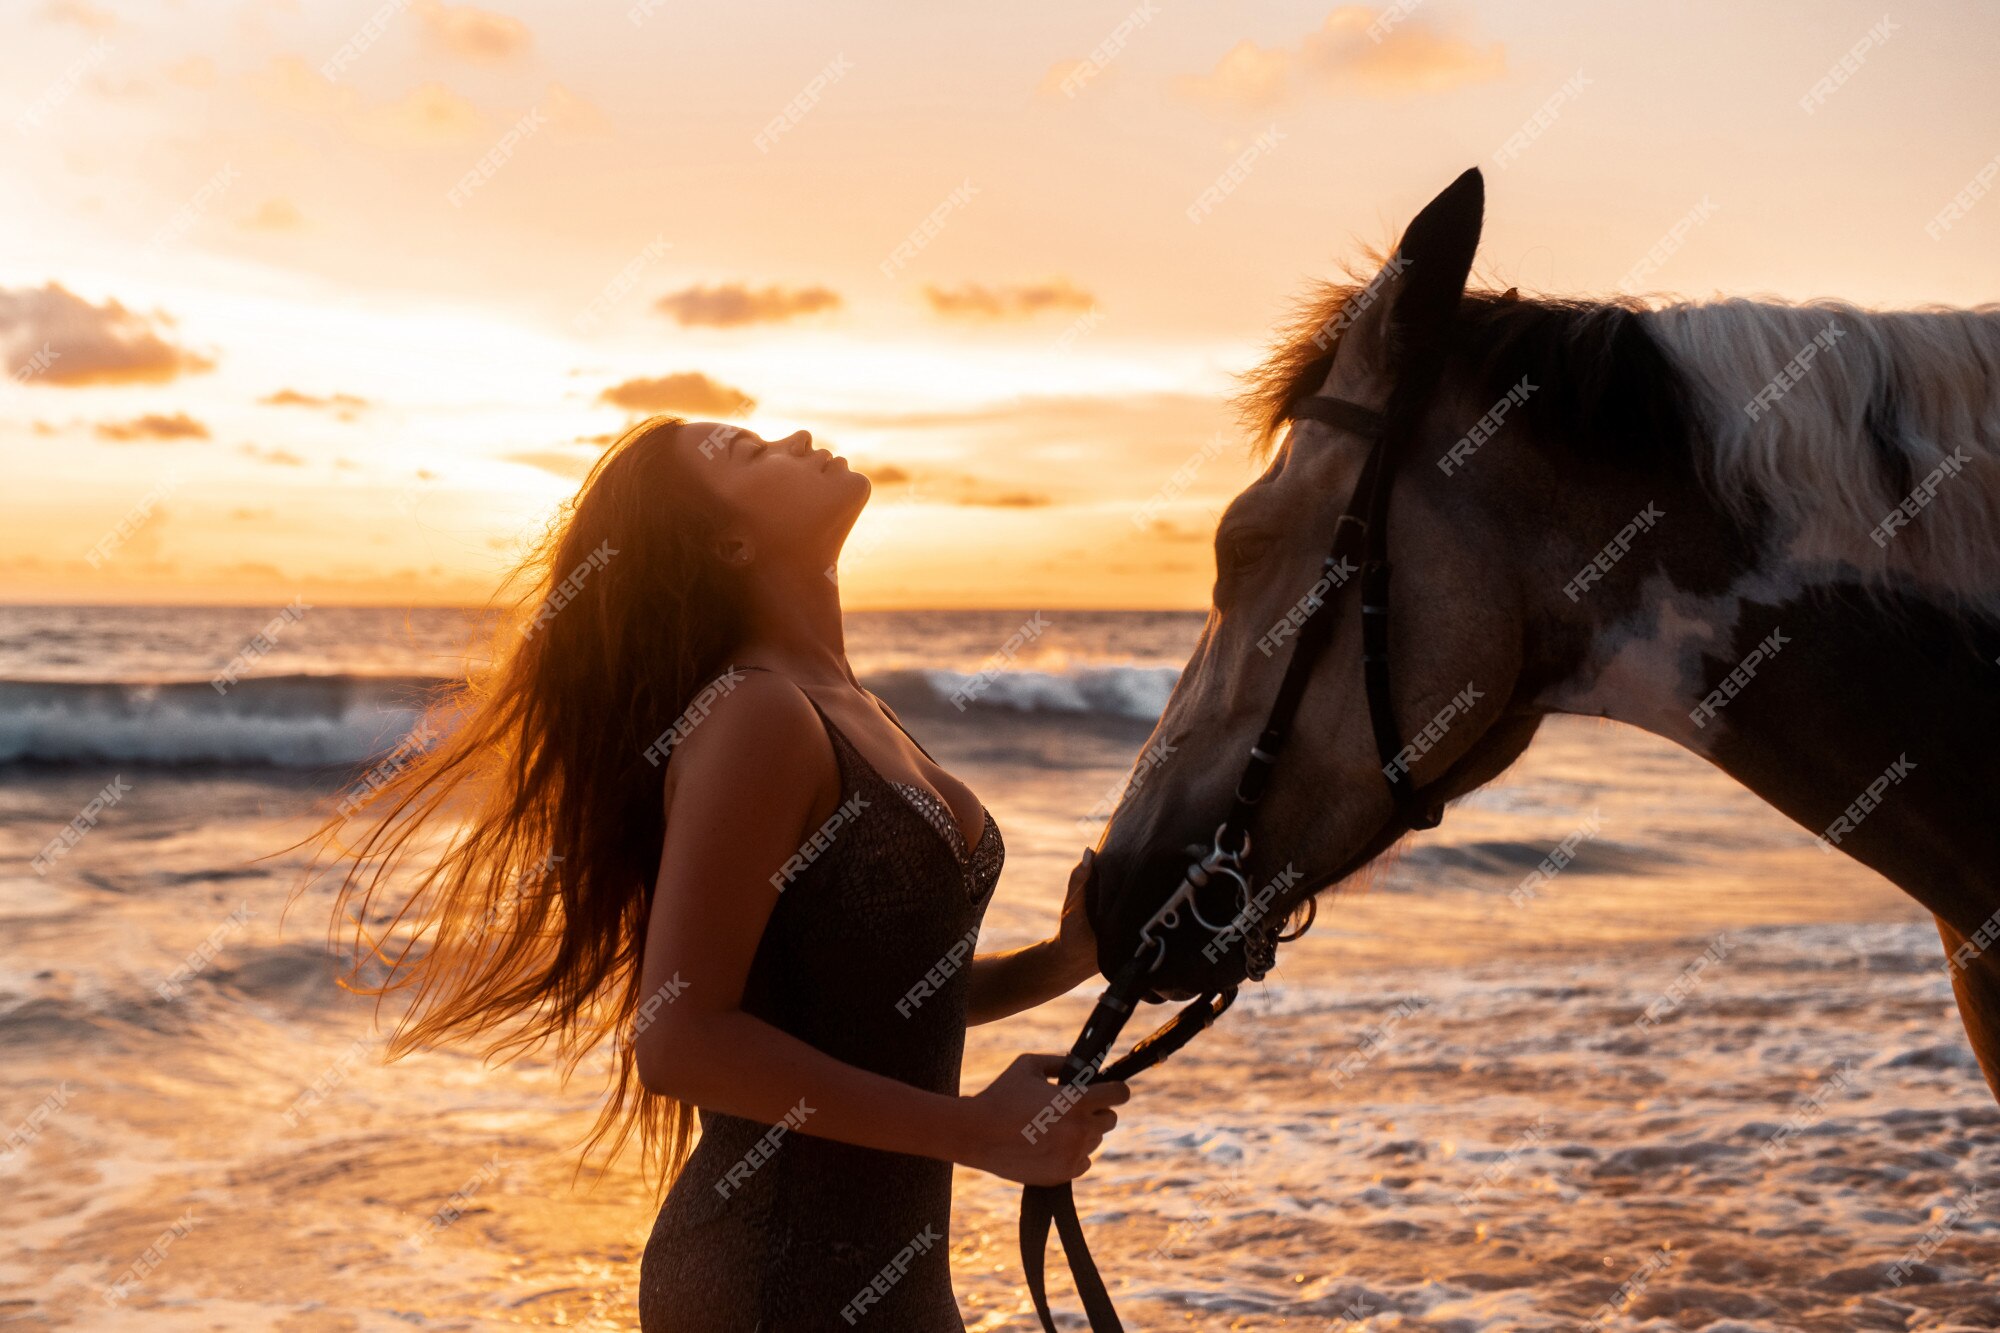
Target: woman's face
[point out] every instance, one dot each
(784, 496)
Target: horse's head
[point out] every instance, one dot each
(1455, 638)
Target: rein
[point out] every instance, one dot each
(1360, 541)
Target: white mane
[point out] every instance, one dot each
(1829, 443)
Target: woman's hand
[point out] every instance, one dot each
(1025, 1128)
(1076, 942)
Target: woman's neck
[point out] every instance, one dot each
(794, 625)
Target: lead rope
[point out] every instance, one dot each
(1046, 1205)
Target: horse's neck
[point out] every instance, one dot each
(1871, 720)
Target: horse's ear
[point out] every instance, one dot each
(1436, 252)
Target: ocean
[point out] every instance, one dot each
(1705, 1077)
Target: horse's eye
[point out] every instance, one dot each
(1243, 549)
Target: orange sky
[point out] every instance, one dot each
(331, 300)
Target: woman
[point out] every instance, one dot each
(776, 921)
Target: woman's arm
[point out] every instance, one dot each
(1007, 983)
(751, 781)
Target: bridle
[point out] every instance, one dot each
(1360, 540)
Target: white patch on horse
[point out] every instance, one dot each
(1646, 669)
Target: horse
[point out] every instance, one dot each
(1766, 531)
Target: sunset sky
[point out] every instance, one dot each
(337, 298)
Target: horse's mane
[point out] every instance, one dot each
(1886, 399)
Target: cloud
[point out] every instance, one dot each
(1249, 77)
(974, 300)
(152, 427)
(727, 305)
(430, 115)
(574, 114)
(276, 214)
(250, 515)
(276, 457)
(85, 15)
(1006, 499)
(343, 405)
(470, 33)
(688, 392)
(193, 72)
(574, 467)
(55, 337)
(1356, 50)
(1410, 57)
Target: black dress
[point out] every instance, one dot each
(769, 1228)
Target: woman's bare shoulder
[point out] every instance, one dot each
(759, 733)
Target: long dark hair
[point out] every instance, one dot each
(518, 851)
